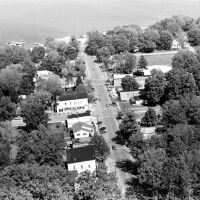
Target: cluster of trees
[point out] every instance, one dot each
(183, 79)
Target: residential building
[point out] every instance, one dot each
(163, 68)
(75, 118)
(73, 103)
(117, 79)
(81, 159)
(82, 130)
(176, 45)
(44, 74)
(17, 122)
(127, 95)
(68, 84)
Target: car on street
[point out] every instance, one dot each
(107, 105)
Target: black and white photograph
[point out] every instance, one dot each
(99, 99)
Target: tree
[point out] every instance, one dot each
(10, 82)
(31, 181)
(179, 83)
(40, 147)
(102, 150)
(149, 118)
(13, 55)
(4, 153)
(150, 172)
(154, 89)
(194, 36)
(130, 63)
(142, 62)
(185, 60)
(102, 186)
(79, 80)
(96, 40)
(37, 54)
(120, 43)
(173, 113)
(53, 86)
(53, 62)
(33, 114)
(165, 41)
(102, 53)
(27, 85)
(145, 43)
(129, 83)
(128, 126)
(7, 109)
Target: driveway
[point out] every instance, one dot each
(107, 116)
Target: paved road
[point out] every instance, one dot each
(107, 116)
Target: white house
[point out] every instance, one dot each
(81, 159)
(82, 130)
(73, 103)
(17, 122)
(176, 45)
(127, 95)
(117, 79)
(163, 68)
(75, 118)
(44, 74)
(68, 84)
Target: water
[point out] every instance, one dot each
(34, 20)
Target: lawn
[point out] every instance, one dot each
(162, 59)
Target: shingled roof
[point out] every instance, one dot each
(80, 154)
(81, 126)
(67, 97)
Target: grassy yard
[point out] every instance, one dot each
(162, 59)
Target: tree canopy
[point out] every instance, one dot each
(129, 83)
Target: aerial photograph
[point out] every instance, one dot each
(100, 100)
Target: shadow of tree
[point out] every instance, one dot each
(117, 139)
(128, 166)
(137, 189)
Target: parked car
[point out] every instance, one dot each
(107, 105)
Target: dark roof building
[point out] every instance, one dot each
(87, 113)
(68, 97)
(80, 154)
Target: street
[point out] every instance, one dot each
(107, 116)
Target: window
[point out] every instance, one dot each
(74, 167)
(88, 166)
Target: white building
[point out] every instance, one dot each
(117, 79)
(68, 84)
(176, 45)
(163, 68)
(75, 118)
(82, 130)
(73, 103)
(44, 74)
(81, 159)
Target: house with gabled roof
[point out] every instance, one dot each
(72, 103)
(82, 130)
(81, 159)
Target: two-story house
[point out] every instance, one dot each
(81, 159)
(82, 130)
(72, 103)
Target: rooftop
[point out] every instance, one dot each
(79, 115)
(120, 76)
(81, 126)
(67, 97)
(80, 154)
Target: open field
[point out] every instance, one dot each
(161, 59)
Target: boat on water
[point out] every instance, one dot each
(14, 43)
